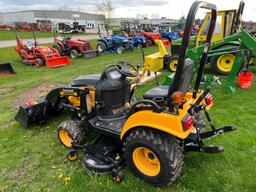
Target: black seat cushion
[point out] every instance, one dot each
(86, 80)
(159, 91)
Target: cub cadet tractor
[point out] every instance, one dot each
(150, 135)
(31, 53)
(114, 43)
(74, 48)
(228, 25)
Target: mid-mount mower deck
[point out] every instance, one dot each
(150, 135)
(33, 54)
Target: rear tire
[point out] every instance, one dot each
(59, 49)
(101, 47)
(73, 53)
(154, 156)
(70, 134)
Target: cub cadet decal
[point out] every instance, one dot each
(68, 92)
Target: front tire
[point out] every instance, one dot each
(173, 63)
(74, 53)
(222, 64)
(59, 49)
(154, 156)
(120, 50)
(70, 134)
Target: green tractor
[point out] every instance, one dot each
(226, 36)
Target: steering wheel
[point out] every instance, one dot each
(127, 69)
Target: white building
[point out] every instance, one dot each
(54, 17)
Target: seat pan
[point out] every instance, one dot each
(159, 91)
(86, 81)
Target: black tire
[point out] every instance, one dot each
(165, 148)
(172, 63)
(59, 49)
(229, 61)
(24, 59)
(70, 134)
(120, 50)
(73, 53)
(40, 62)
(101, 47)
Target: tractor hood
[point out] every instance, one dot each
(119, 39)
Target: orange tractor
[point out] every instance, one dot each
(33, 54)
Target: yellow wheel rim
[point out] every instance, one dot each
(146, 161)
(72, 157)
(225, 62)
(65, 138)
(173, 64)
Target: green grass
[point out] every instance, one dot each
(10, 35)
(32, 159)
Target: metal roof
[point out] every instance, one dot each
(59, 14)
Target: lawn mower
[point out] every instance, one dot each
(6, 70)
(114, 43)
(74, 48)
(150, 135)
(226, 38)
(31, 53)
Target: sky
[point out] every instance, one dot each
(173, 9)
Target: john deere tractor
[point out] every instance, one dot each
(228, 23)
(151, 135)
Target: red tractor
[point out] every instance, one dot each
(74, 48)
(152, 36)
(33, 54)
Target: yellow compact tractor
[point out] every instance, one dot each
(150, 135)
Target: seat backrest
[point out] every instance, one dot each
(186, 77)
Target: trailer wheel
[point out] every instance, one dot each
(154, 156)
(73, 53)
(40, 62)
(173, 62)
(101, 47)
(58, 48)
(120, 50)
(70, 134)
(222, 64)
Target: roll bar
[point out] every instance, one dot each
(185, 42)
(239, 14)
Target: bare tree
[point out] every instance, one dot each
(155, 16)
(106, 8)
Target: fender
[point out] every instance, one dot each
(171, 124)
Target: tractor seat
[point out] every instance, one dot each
(159, 91)
(29, 45)
(86, 80)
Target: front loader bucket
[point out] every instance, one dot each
(57, 62)
(32, 114)
(6, 70)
